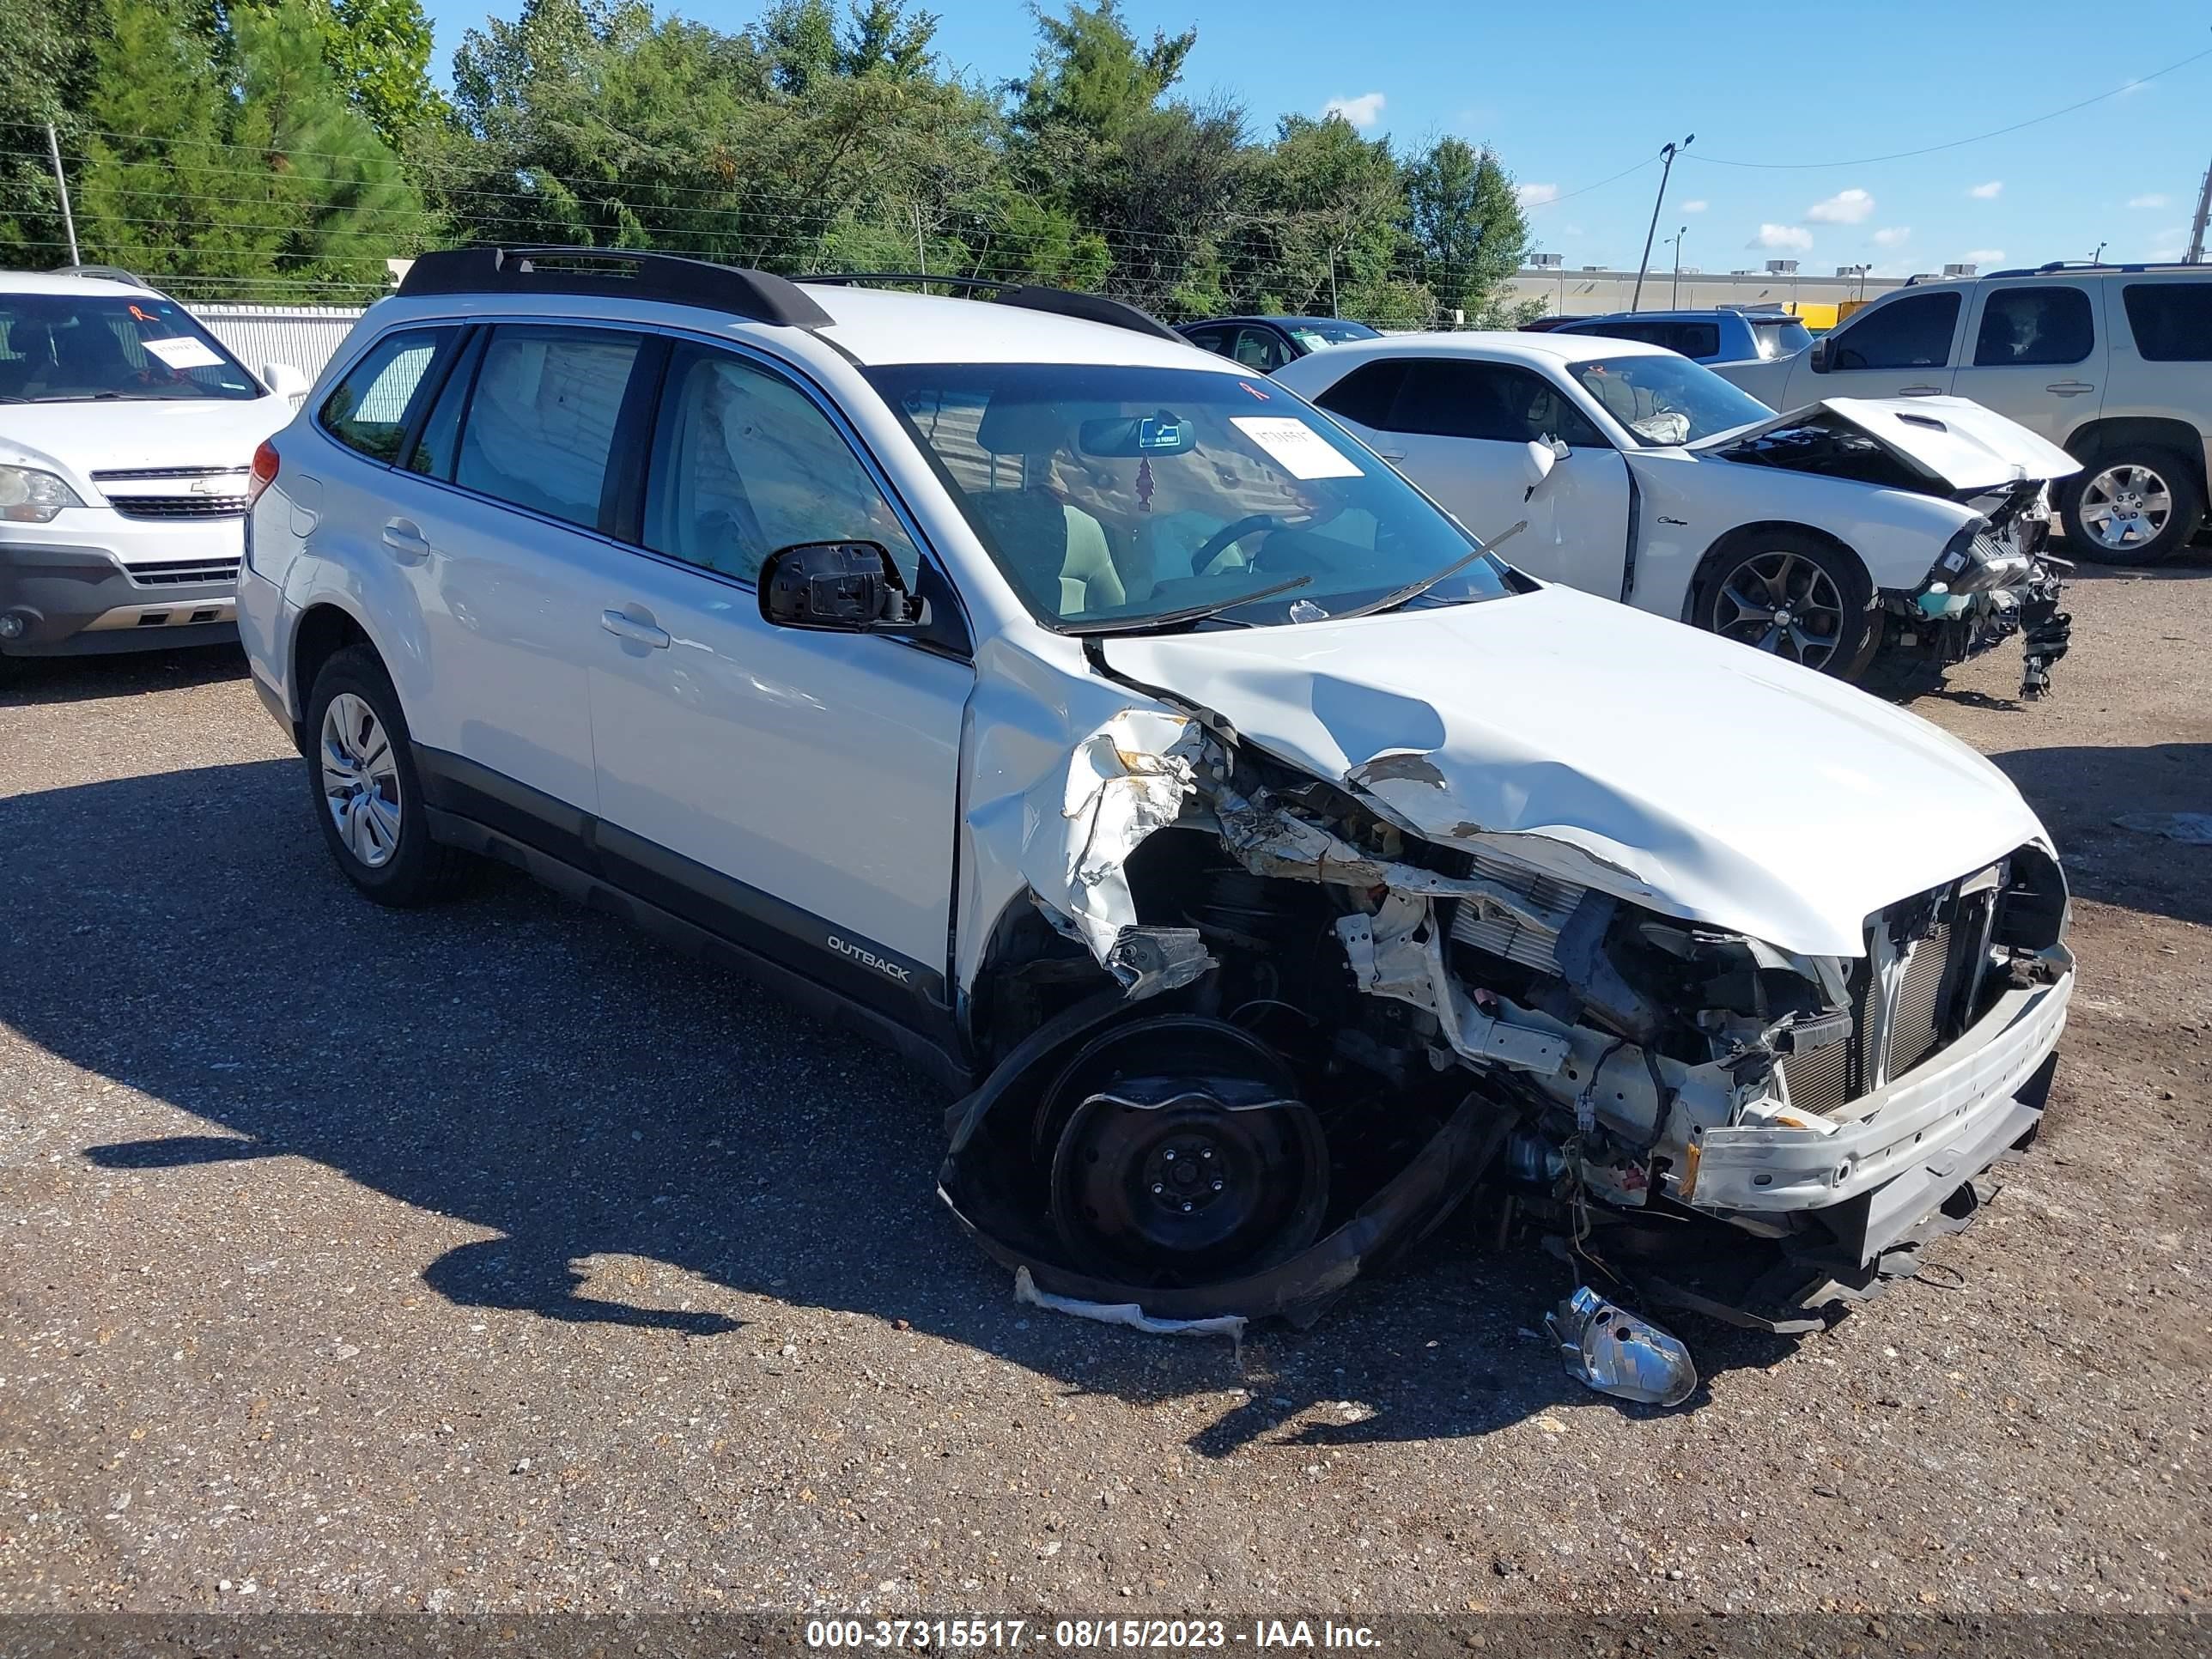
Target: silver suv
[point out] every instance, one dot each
(2108, 361)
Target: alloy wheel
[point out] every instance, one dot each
(361, 779)
(2124, 507)
(1784, 603)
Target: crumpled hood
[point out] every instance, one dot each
(1966, 446)
(1621, 750)
(78, 438)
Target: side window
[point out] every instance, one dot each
(1258, 347)
(541, 420)
(1694, 339)
(1445, 397)
(745, 463)
(1367, 393)
(438, 444)
(1215, 340)
(1914, 332)
(2033, 326)
(369, 409)
(2171, 321)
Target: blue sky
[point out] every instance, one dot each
(1570, 95)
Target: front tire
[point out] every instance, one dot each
(2132, 506)
(1793, 596)
(368, 796)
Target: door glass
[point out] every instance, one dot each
(2022, 325)
(541, 421)
(1258, 347)
(1462, 398)
(1914, 332)
(1366, 394)
(2171, 321)
(1694, 339)
(1214, 340)
(367, 410)
(745, 463)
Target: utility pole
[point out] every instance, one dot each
(2195, 255)
(69, 218)
(1666, 153)
(1676, 239)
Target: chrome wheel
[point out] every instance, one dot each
(361, 779)
(1784, 603)
(2124, 507)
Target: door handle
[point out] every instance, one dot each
(405, 538)
(2070, 388)
(1919, 392)
(623, 626)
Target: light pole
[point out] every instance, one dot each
(1675, 303)
(2098, 257)
(1666, 153)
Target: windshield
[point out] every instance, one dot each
(1664, 399)
(1312, 333)
(1109, 496)
(75, 348)
(1782, 339)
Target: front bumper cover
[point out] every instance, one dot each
(71, 601)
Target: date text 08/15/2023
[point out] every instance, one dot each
(1083, 1634)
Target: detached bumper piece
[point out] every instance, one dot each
(1611, 1350)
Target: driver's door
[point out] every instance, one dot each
(1460, 427)
(797, 791)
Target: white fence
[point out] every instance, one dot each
(306, 336)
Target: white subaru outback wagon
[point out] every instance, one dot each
(1268, 864)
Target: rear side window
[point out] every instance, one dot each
(540, 427)
(369, 408)
(2022, 325)
(1495, 402)
(1215, 340)
(1914, 332)
(1693, 339)
(1260, 348)
(2171, 321)
(1365, 395)
(1782, 339)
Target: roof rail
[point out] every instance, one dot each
(107, 273)
(615, 273)
(1060, 301)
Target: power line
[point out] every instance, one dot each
(1955, 143)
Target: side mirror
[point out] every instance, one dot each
(284, 380)
(838, 587)
(1540, 460)
(1817, 359)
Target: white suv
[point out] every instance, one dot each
(2113, 364)
(126, 435)
(1269, 865)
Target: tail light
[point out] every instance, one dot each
(265, 472)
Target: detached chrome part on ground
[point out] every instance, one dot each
(1716, 1122)
(1611, 1350)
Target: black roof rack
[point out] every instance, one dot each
(2097, 265)
(1060, 301)
(107, 273)
(615, 273)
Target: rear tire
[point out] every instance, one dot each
(367, 795)
(1792, 595)
(2132, 505)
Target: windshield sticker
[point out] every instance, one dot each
(183, 352)
(1258, 395)
(1296, 447)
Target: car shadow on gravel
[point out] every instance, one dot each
(527, 1067)
(2081, 793)
(26, 680)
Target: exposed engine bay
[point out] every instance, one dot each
(1326, 1030)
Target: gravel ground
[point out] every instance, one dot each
(495, 1258)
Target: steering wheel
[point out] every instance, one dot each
(1228, 536)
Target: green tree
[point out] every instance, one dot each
(1092, 74)
(1326, 229)
(1468, 225)
(46, 71)
(380, 50)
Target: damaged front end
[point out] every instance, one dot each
(1993, 580)
(1292, 1033)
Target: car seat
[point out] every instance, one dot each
(1057, 551)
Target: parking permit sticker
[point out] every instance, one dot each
(182, 352)
(1296, 447)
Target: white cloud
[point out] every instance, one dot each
(1695, 207)
(1984, 255)
(1845, 207)
(1788, 236)
(1362, 111)
(2147, 201)
(1988, 192)
(1535, 195)
(1892, 236)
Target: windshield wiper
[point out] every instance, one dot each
(1413, 591)
(1188, 613)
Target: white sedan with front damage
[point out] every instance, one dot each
(1880, 540)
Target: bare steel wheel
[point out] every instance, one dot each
(2131, 507)
(361, 779)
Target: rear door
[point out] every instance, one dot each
(1460, 427)
(2036, 352)
(1903, 347)
(795, 791)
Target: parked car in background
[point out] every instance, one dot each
(1268, 342)
(1265, 864)
(126, 436)
(1703, 337)
(1880, 540)
(2113, 364)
